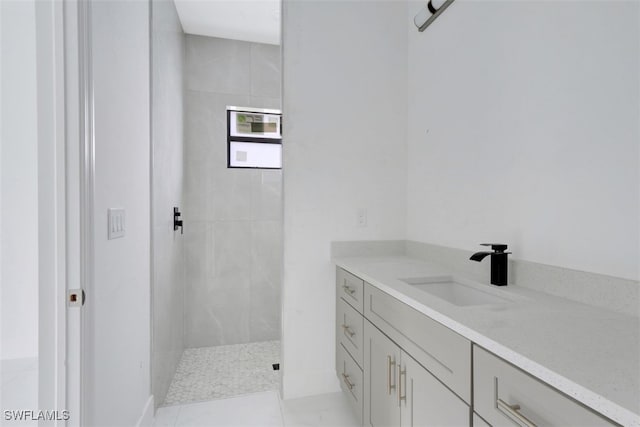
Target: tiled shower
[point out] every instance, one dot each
(231, 250)
(233, 217)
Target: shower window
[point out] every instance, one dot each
(254, 138)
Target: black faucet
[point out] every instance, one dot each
(499, 263)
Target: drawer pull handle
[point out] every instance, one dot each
(347, 329)
(513, 411)
(348, 289)
(349, 384)
(390, 364)
(402, 397)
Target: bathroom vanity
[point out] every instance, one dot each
(416, 346)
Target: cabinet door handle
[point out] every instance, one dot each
(513, 411)
(390, 367)
(348, 289)
(401, 397)
(349, 384)
(348, 330)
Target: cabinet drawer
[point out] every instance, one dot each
(350, 288)
(506, 396)
(443, 352)
(349, 328)
(351, 380)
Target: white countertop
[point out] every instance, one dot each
(588, 353)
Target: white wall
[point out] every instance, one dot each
(19, 181)
(344, 99)
(119, 302)
(523, 129)
(168, 50)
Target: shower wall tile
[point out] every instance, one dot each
(233, 247)
(266, 195)
(261, 102)
(264, 315)
(167, 150)
(198, 254)
(231, 198)
(206, 173)
(219, 315)
(218, 284)
(233, 231)
(168, 306)
(218, 65)
(266, 262)
(207, 120)
(169, 277)
(265, 70)
(266, 277)
(199, 155)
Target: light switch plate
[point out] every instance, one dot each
(116, 223)
(361, 217)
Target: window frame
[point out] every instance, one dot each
(257, 140)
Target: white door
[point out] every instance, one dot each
(32, 206)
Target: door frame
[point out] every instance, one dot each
(52, 209)
(78, 106)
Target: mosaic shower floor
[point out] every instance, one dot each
(224, 371)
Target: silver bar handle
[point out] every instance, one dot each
(402, 372)
(349, 384)
(390, 363)
(348, 330)
(348, 289)
(513, 411)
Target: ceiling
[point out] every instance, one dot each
(249, 20)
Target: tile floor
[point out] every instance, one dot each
(264, 409)
(224, 371)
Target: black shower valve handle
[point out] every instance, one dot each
(177, 222)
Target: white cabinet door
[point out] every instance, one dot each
(400, 392)
(424, 401)
(381, 376)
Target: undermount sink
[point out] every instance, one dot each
(454, 292)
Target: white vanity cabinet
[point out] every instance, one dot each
(506, 396)
(397, 366)
(400, 367)
(400, 392)
(350, 338)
